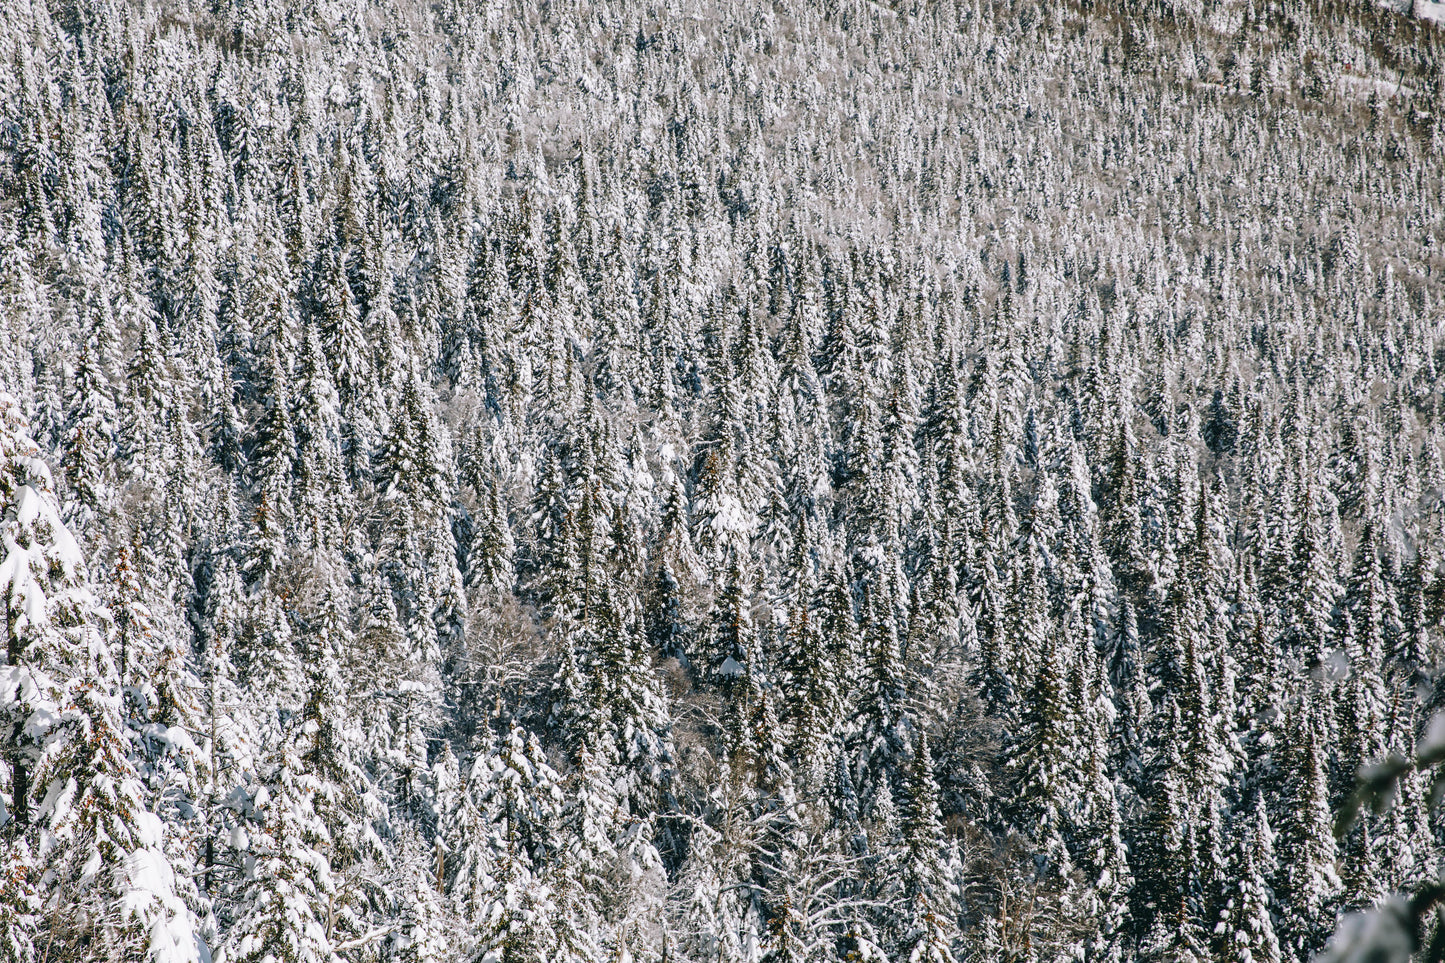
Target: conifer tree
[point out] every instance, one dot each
(1307, 880)
(928, 931)
(76, 805)
(91, 424)
(695, 451)
(1246, 930)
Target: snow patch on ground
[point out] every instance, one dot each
(1420, 9)
(1364, 86)
(1429, 10)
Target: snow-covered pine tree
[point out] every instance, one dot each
(89, 871)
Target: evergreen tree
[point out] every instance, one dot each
(928, 930)
(826, 514)
(1246, 931)
(1307, 882)
(76, 805)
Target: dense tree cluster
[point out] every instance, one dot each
(715, 480)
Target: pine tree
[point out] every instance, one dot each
(1307, 881)
(91, 424)
(1166, 897)
(273, 461)
(629, 702)
(881, 724)
(1315, 592)
(514, 811)
(144, 406)
(491, 555)
(589, 867)
(1123, 526)
(79, 807)
(1246, 930)
(319, 471)
(1042, 763)
(806, 675)
(281, 910)
(928, 930)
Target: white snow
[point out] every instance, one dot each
(24, 594)
(152, 896)
(21, 685)
(730, 518)
(1382, 87)
(239, 840)
(1428, 10)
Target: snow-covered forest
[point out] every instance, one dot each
(716, 480)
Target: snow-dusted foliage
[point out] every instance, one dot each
(721, 480)
(90, 874)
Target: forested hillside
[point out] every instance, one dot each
(715, 480)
